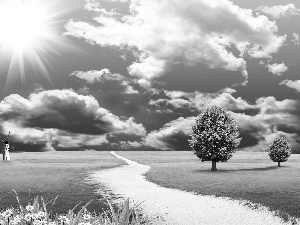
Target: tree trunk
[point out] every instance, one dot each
(214, 166)
(278, 164)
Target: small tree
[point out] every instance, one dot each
(280, 150)
(215, 136)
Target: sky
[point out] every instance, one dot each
(134, 74)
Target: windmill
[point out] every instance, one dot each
(6, 148)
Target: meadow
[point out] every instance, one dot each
(51, 174)
(247, 175)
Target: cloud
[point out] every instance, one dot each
(279, 11)
(130, 144)
(259, 122)
(62, 118)
(259, 131)
(94, 76)
(92, 5)
(172, 136)
(197, 101)
(292, 84)
(103, 76)
(164, 33)
(296, 39)
(277, 69)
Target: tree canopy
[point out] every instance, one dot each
(280, 150)
(215, 135)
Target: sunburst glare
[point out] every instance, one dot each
(28, 34)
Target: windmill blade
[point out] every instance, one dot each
(8, 136)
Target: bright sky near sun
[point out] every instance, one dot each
(29, 34)
(22, 26)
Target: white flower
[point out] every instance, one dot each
(9, 211)
(40, 214)
(37, 222)
(16, 219)
(30, 208)
(64, 219)
(28, 217)
(86, 216)
(35, 216)
(85, 223)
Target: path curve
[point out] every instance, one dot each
(176, 207)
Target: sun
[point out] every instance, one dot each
(28, 35)
(22, 26)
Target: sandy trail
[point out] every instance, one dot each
(176, 206)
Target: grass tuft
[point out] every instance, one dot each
(37, 214)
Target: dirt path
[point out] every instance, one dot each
(178, 207)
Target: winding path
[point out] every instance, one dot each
(176, 207)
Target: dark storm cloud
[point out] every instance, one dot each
(172, 136)
(259, 123)
(62, 117)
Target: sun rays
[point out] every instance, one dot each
(29, 35)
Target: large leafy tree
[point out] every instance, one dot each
(215, 136)
(280, 150)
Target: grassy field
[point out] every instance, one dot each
(49, 174)
(249, 176)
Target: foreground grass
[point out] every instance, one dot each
(51, 174)
(37, 214)
(247, 176)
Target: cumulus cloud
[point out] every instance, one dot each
(164, 33)
(197, 101)
(130, 144)
(292, 84)
(259, 122)
(92, 5)
(277, 69)
(103, 76)
(257, 131)
(172, 136)
(296, 39)
(94, 76)
(279, 11)
(61, 118)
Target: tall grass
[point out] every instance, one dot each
(37, 214)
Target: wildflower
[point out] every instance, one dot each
(86, 216)
(35, 216)
(9, 212)
(84, 223)
(28, 217)
(30, 208)
(17, 219)
(37, 222)
(40, 214)
(64, 219)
